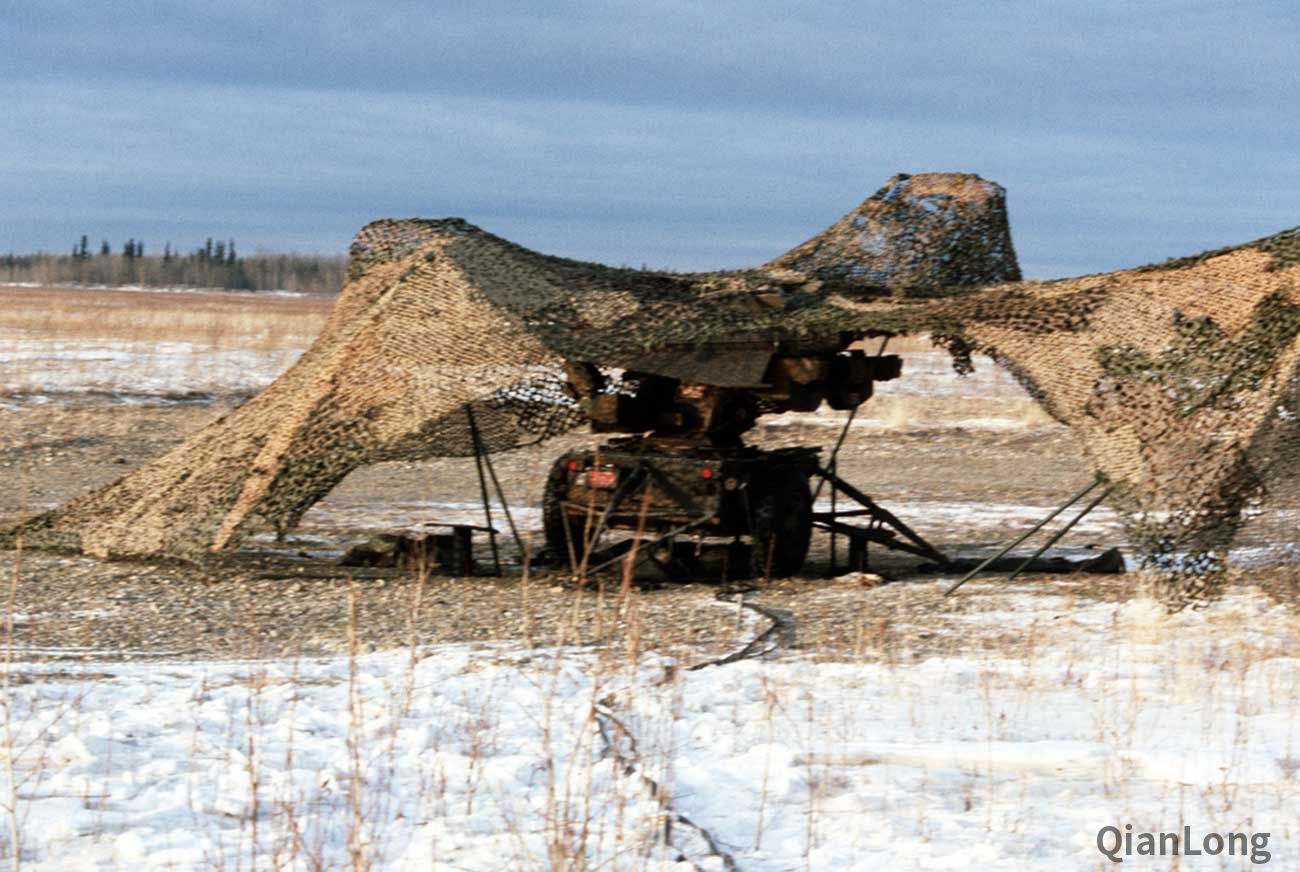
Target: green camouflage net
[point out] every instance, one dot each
(1180, 378)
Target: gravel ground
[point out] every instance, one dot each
(70, 607)
(277, 599)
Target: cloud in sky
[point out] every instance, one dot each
(674, 134)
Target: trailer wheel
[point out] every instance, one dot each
(555, 521)
(780, 524)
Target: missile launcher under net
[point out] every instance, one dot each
(1179, 378)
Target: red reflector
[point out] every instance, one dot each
(573, 465)
(706, 473)
(603, 478)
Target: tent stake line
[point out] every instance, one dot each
(1032, 530)
(1056, 537)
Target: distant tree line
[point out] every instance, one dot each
(216, 264)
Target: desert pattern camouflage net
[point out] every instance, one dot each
(1180, 378)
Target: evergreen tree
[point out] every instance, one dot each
(212, 264)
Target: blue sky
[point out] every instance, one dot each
(683, 135)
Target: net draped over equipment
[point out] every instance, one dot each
(1180, 378)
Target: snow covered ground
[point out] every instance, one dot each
(46, 370)
(151, 289)
(930, 373)
(492, 757)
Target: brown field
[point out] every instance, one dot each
(246, 320)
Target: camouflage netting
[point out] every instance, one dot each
(934, 230)
(1180, 378)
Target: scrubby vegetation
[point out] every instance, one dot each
(213, 265)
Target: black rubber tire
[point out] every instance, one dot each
(554, 520)
(780, 524)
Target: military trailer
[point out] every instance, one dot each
(682, 469)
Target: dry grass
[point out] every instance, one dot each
(261, 322)
(149, 343)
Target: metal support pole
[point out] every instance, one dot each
(835, 492)
(1056, 537)
(483, 491)
(492, 473)
(831, 462)
(1040, 525)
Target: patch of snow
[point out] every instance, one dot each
(930, 373)
(966, 519)
(156, 289)
(36, 370)
(487, 757)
